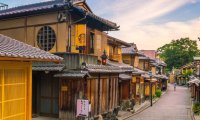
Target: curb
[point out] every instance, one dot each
(142, 109)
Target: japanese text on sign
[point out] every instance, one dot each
(82, 108)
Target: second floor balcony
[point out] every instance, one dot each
(116, 57)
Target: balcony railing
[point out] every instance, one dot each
(74, 60)
(116, 57)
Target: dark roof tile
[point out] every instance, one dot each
(15, 49)
(124, 67)
(47, 66)
(125, 77)
(73, 74)
(103, 69)
(54, 5)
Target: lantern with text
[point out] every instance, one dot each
(104, 58)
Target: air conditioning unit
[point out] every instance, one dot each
(62, 17)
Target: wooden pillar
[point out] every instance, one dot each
(109, 91)
(129, 89)
(98, 108)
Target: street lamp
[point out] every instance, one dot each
(104, 57)
(150, 75)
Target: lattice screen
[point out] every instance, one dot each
(12, 94)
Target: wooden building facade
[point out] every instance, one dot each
(131, 57)
(73, 31)
(16, 77)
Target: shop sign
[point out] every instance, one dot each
(83, 108)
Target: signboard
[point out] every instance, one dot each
(133, 79)
(80, 36)
(64, 88)
(83, 108)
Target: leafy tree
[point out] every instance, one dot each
(179, 52)
(187, 73)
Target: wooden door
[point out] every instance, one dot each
(49, 93)
(125, 90)
(15, 91)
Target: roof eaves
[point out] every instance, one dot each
(11, 49)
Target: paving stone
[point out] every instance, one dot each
(174, 105)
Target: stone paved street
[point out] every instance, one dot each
(174, 105)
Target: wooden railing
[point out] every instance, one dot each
(74, 60)
(116, 57)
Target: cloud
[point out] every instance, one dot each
(136, 20)
(152, 36)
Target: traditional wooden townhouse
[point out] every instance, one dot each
(157, 67)
(16, 77)
(163, 78)
(194, 81)
(178, 76)
(158, 70)
(186, 71)
(131, 57)
(150, 82)
(71, 30)
(125, 78)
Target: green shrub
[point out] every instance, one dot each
(158, 93)
(196, 108)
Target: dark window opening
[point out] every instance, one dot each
(91, 43)
(115, 50)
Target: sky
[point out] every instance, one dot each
(148, 23)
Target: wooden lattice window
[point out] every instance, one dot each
(46, 38)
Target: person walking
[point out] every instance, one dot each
(175, 86)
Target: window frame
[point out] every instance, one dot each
(46, 38)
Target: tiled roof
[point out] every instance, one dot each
(49, 6)
(121, 42)
(73, 74)
(161, 77)
(124, 77)
(47, 66)
(155, 64)
(149, 53)
(195, 81)
(102, 69)
(30, 8)
(190, 65)
(12, 48)
(150, 80)
(145, 75)
(122, 66)
(138, 71)
(160, 62)
(129, 50)
(144, 58)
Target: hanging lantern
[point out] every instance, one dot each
(104, 57)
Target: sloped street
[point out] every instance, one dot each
(174, 105)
